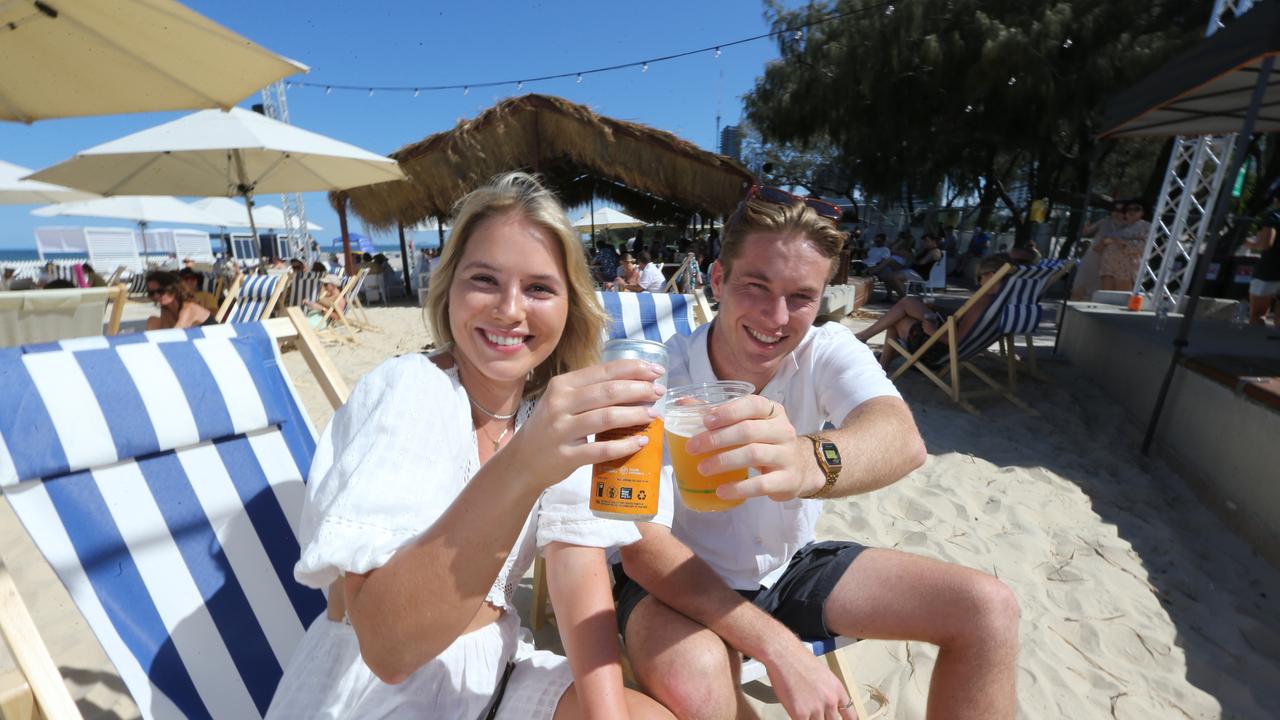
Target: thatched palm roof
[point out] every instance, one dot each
(652, 174)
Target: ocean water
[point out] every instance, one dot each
(15, 254)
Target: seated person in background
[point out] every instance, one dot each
(59, 284)
(879, 251)
(651, 279)
(978, 247)
(912, 322)
(899, 260)
(192, 280)
(1025, 255)
(297, 266)
(318, 267)
(6, 278)
(47, 274)
(95, 280)
(330, 296)
(178, 309)
(628, 275)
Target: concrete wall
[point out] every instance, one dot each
(1227, 445)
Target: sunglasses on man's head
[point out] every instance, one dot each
(778, 196)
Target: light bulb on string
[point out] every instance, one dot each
(644, 68)
(416, 92)
(370, 92)
(717, 52)
(520, 85)
(328, 91)
(466, 90)
(1013, 80)
(1067, 43)
(798, 35)
(579, 78)
(888, 10)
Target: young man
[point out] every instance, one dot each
(1264, 288)
(703, 588)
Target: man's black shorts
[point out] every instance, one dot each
(796, 599)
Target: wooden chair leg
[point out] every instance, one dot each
(32, 657)
(16, 700)
(540, 594)
(844, 671)
(1011, 361)
(1002, 390)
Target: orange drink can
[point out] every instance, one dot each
(686, 407)
(627, 489)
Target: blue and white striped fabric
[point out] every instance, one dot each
(161, 475)
(1016, 309)
(647, 316)
(304, 286)
(138, 283)
(252, 298)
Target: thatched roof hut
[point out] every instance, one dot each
(652, 174)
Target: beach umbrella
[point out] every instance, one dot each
(231, 153)
(15, 191)
(233, 215)
(607, 219)
(143, 210)
(70, 58)
(272, 217)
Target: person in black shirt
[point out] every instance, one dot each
(1265, 286)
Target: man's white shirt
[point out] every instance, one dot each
(829, 374)
(651, 278)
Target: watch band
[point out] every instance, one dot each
(831, 474)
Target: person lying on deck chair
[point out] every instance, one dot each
(330, 295)
(912, 322)
(702, 589)
(178, 307)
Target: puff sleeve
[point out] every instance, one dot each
(389, 463)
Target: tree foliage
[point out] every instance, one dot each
(981, 92)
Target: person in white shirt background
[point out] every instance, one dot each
(701, 589)
(651, 278)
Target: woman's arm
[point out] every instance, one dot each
(580, 590)
(1262, 240)
(191, 316)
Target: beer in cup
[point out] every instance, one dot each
(686, 407)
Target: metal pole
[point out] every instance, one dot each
(1215, 229)
(440, 231)
(346, 236)
(404, 261)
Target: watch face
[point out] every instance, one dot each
(831, 454)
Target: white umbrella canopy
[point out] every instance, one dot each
(15, 191)
(143, 209)
(608, 219)
(71, 58)
(232, 214)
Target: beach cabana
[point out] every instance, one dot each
(651, 174)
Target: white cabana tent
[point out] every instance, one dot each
(231, 153)
(16, 191)
(607, 219)
(142, 209)
(107, 247)
(182, 243)
(70, 58)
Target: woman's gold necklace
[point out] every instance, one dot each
(496, 441)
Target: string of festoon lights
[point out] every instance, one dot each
(579, 75)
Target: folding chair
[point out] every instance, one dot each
(1015, 310)
(659, 316)
(161, 475)
(304, 287)
(252, 298)
(356, 313)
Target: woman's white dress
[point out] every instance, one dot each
(391, 461)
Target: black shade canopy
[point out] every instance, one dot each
(1206, 90)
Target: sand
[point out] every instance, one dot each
(1136, 601)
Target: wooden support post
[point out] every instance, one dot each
(346, 236)
(404, 261)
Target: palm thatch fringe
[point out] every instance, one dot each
(652, 174)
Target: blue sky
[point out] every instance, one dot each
(420, 43)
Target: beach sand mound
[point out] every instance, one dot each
(1136, 601)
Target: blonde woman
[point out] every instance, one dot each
(436, 481)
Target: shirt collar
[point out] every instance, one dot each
(700, 369)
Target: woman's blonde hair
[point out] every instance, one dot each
(759, 215)
(521, 193)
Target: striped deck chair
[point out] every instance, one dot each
(1015, 310)
(335, 318)
(660, 316)
(304, 287)
(161, 475)
(355, 314)
(252, 298)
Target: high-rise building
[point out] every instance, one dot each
(731, 142)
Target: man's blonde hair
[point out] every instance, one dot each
(758, 215)
(522, 194)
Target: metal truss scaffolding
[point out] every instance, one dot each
(276, 107)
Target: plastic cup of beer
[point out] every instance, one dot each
(685, 409)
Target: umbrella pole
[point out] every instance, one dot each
(1215, 229)
(142, 229)
(593, 218)
(253, 227)
(404, 261)
(440, 231)
(346, 236)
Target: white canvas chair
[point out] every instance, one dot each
(252, 298)
(161, 475)
(34, 316)
(658, 317)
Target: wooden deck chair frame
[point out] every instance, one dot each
(229, 302)
(336, 316)
(355, 309)
(955, 365)
(36, 690)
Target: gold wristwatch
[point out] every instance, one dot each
(828, 457)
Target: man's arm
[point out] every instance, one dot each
(1262, 240)
(878, 441)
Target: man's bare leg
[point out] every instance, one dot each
(683, 665)
(972, 617)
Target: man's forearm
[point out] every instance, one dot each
(662, 565)
(879, 444)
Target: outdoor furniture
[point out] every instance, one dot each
(356, 314)
(161, 475)
(33, 316)
(336, 316)
(659, 316)
(1014, 311)
(252, 298)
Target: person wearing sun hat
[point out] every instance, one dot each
(330, 296)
